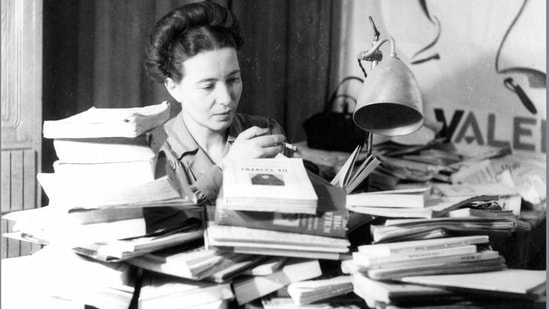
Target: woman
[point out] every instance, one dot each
(193, 52)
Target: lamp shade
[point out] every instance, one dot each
(389, 102)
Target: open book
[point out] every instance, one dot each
(350, 175)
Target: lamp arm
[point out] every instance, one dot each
(365, 55)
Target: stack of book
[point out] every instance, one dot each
(508, 288)
(111, 199)
(105, 179)
(108, 157)
(431, 160)
(392, 261)
(263, 223)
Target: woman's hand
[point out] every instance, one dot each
(253, 143)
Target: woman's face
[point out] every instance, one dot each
(210, 88)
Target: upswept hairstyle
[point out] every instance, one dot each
(185, 32)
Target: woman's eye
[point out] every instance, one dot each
(208, 86)
(234, 80)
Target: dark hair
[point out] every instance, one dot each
(185, 32)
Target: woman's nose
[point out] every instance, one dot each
(224, 94)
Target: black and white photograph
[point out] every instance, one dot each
(150, 148)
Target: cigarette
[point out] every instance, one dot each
(289, 146)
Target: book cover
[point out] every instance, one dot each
(108, 122)
(405, 198)
(331, 218)
(274, 185)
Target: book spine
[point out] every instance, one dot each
(468, 257)
(330, 223)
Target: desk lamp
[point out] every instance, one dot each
(389, 102)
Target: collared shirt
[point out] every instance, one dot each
(192, 165)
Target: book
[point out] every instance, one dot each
(350, 176)
(266, 267)
(236, 236)
(351, 266)
(386, 249)
(164, 291)
(123, 249)
(112, 173)
(330, 220)
(108, 122)
(250, 288)
(467, 263)
(392, 231)
(404, 198)
(372, 261)
(506, 281)
(70, 193)
(53, 215)
(46, 228)
(387, 292)
(490, 213)
(98, 150)
(197, 263)
(440, 269)
(65, 275)
(283, 252)
(434, 208)
(273, 185)
(310, 291)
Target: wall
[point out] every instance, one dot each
(464, 50)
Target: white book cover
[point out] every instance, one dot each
(278, 185)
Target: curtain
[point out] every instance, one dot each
(93, 52)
